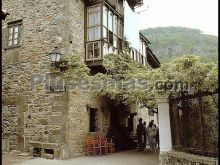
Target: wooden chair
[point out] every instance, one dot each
(103, 145)
(96, 147)
(110, 145)
(92, 146)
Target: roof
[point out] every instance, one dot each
(152, 59)
(144, 38)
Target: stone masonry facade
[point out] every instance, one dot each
(38, 117)
(34, 117)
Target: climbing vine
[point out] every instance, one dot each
(122, 73)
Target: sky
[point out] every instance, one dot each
(199, 14)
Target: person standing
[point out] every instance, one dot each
(151, 131)
(140, 130)
(145, 134)
(157, 138)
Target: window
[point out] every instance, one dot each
(115, 39)
(115, 25)
(105, 16)
(93, 50)
(110, 49)
(120, 44)
(105, 49)
(109, 42)
(110, 38)
(110, 21)
(93, 23)
(93, 120)
(132, 53)
(105, 23)
(141, 59)
(14, 30)
(120, 29)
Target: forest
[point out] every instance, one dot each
(171, 42)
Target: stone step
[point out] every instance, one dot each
(24, 154)
(15, 152)
(47, 156)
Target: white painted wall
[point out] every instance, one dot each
(164, 127)
(143, 113)
(131, 28)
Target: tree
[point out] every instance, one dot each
(129, 82)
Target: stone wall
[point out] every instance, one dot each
(78, 121)
(42, 115)
(10, 125)
(181, 158)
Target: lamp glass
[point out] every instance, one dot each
(57, 57)
(53, 57)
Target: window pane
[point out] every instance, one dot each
(110, 37)
(105, 49)
(120, 29)
(94, 16)
(105, 16)
(104, 33)
(115, 25)
(16, 35)
(91, 20)
(15, 41)
(110, 49)
(10, 30)
(91, 34)
(110, 20)
(115, 41)
(97, 32)
(133, 57)
(97, 18)
(16, 29)
(89, 50)
(119, 44)
(96, 50)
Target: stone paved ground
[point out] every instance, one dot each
(12, 158)
(120, 158)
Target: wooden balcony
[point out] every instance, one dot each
(115, 5)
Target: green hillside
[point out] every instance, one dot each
(170, 42)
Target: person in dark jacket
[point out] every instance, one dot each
(140, 132)
(145, 134)
(157, 138)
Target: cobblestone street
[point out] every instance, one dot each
(120, 158)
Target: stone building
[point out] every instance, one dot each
(46, 122)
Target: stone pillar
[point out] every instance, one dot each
(164, 124)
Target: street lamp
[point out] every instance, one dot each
(55, 56)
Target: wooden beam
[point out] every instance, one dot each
(199, 94)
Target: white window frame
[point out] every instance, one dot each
(12, 33)
(94, 26)
(87, 50)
